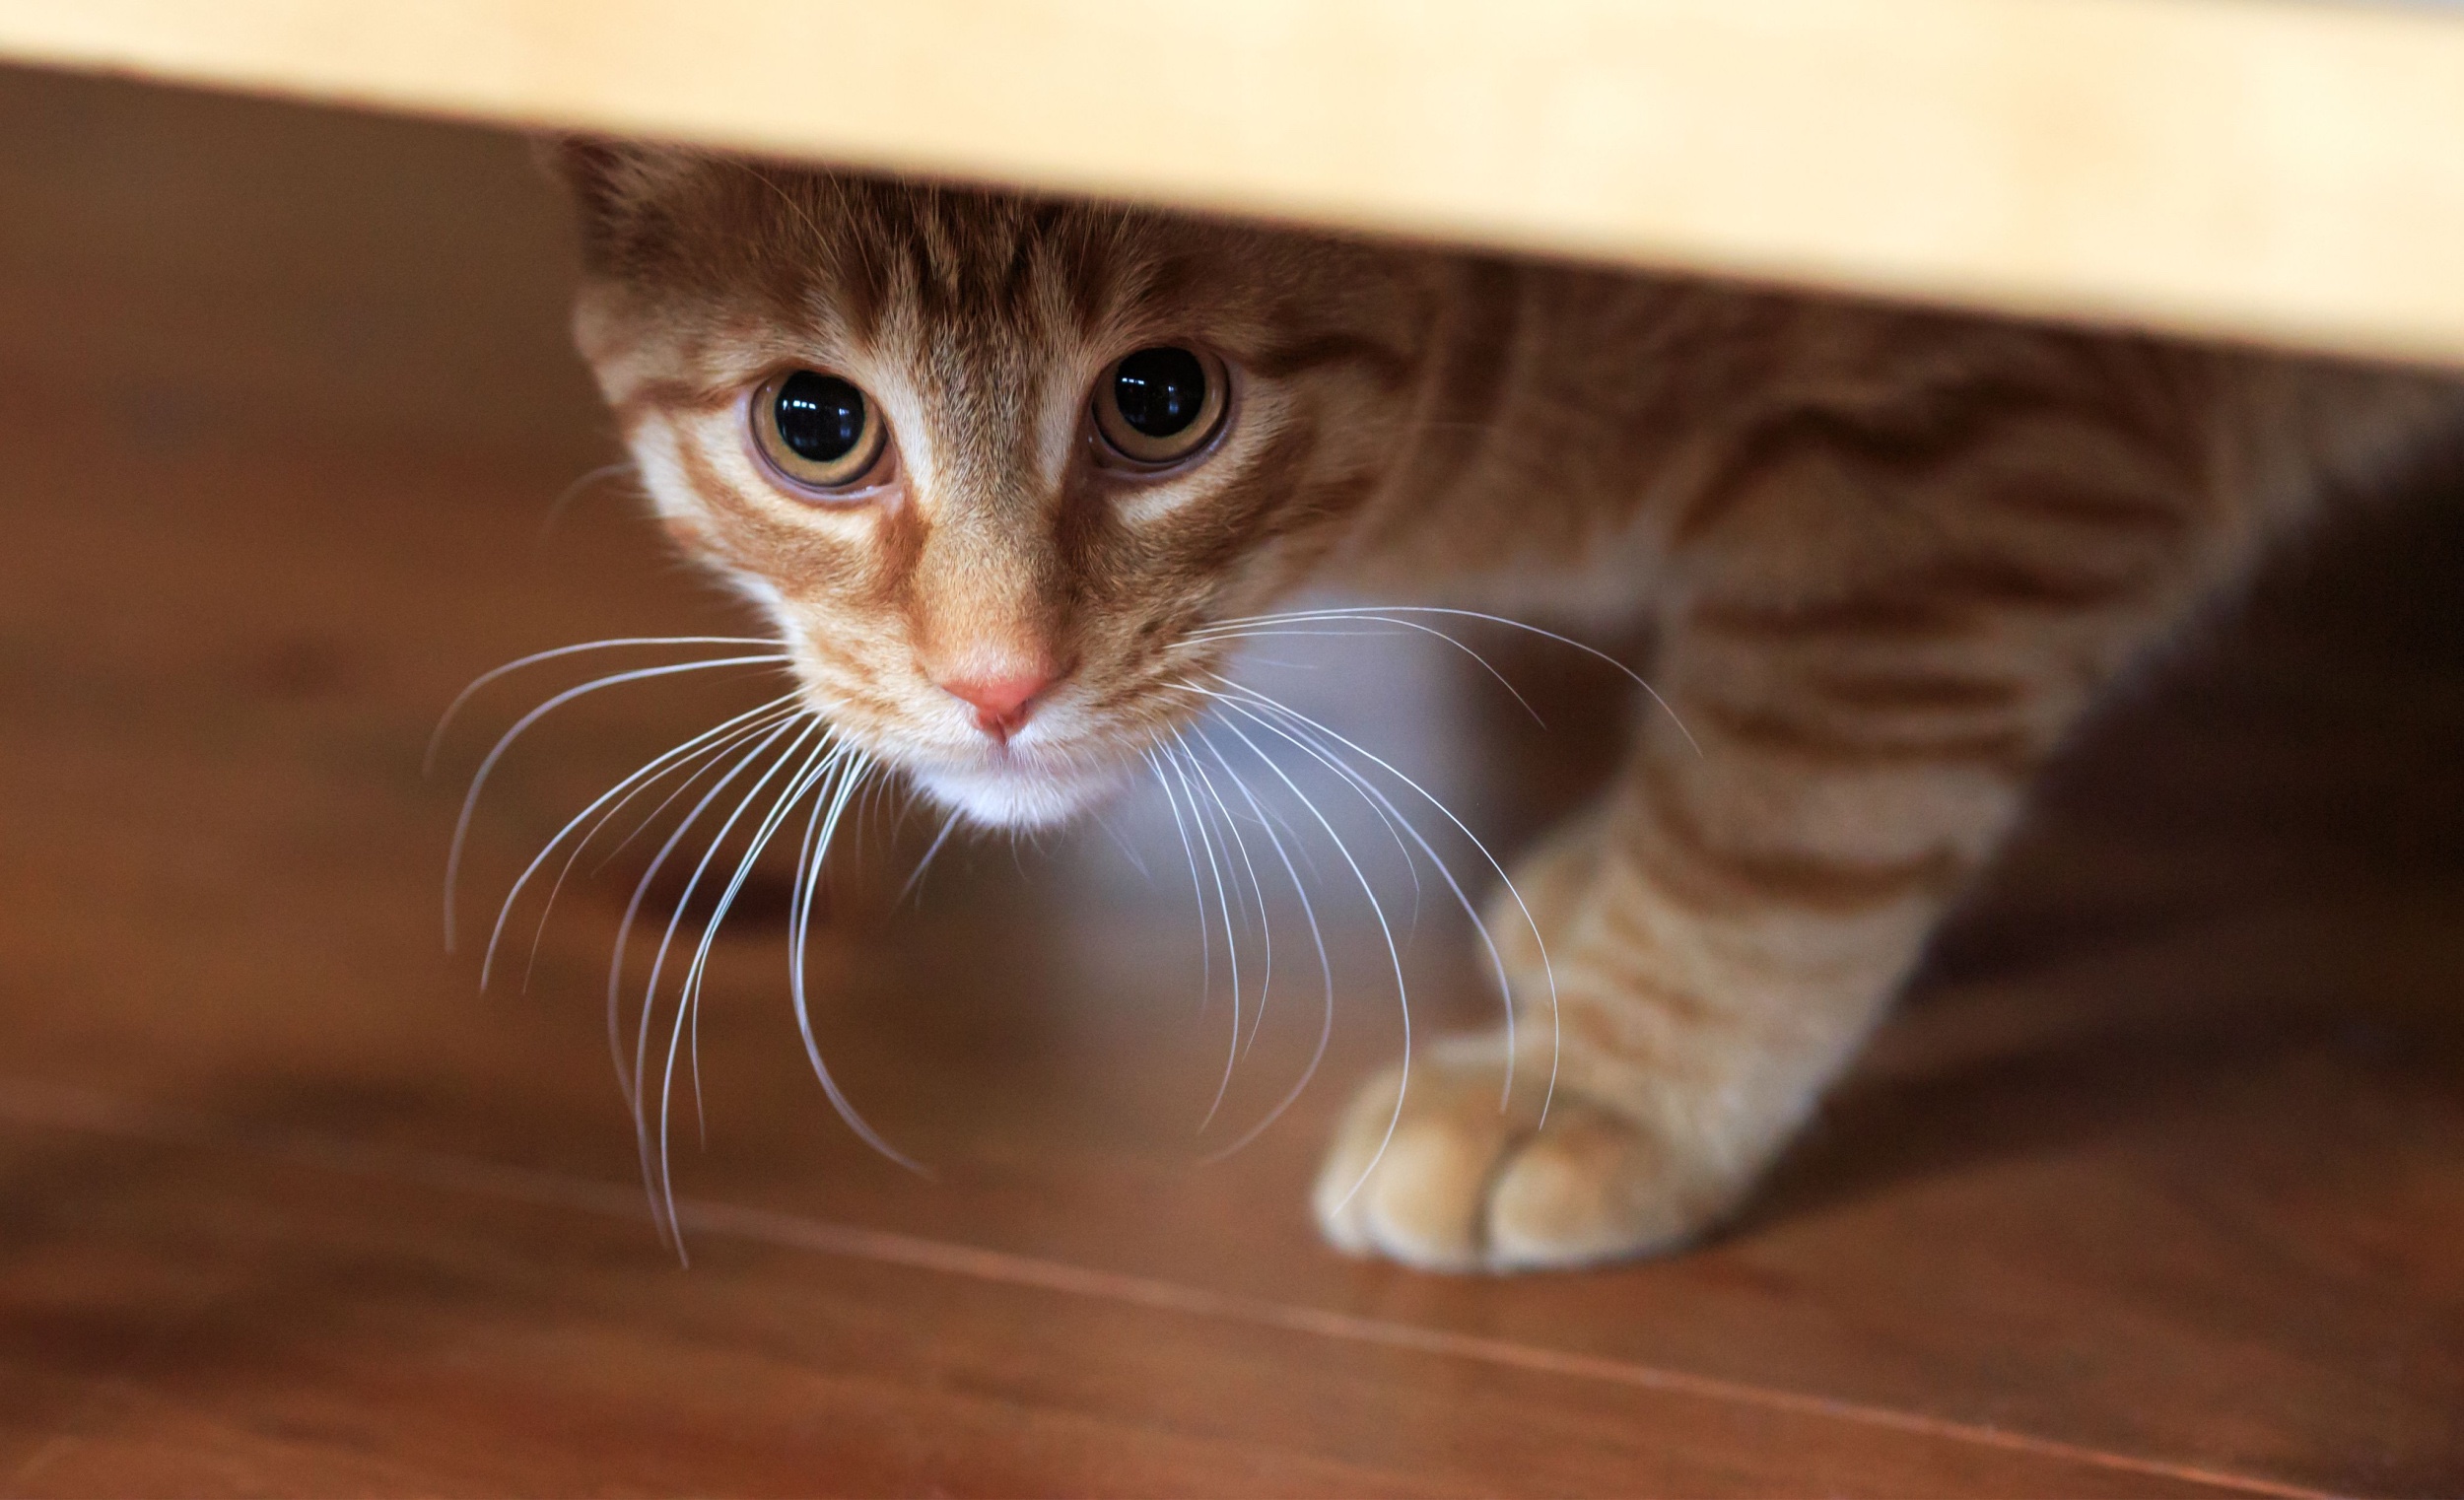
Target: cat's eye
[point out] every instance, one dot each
(818, 429)
(1160, 404)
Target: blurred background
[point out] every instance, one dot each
(2164, 1161)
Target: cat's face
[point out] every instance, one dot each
(993, 465)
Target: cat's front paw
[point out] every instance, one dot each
(1465, 1185)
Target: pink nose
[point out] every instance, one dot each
(1002, 702)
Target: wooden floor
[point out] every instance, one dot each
(2155, 1186)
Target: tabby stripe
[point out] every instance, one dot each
(2071, 505)
(1218, 537)
(819, 563)
(2011, 752)
(1921, 432)
(1594, 1029)
(1625, 963)
(718, 497)
(1947, 598)
(1711, 879)
(1391, 368)
(1476, 375)
(667, 397)
(1899, 692)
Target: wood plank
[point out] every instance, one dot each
(2246, 168)
(297, 1316)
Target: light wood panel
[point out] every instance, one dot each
(2247, 168)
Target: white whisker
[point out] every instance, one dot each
(689, 992)
(1326, 967)
(1206, 944)
(707, 742)
(1326, 757)
(1556, 1039)
(1374, 611)
(1386, 817)
(630, 1082)
(701, 762)
(915, 882)
(436, 737)
(1178, 755)
(1243, 632)
(873, 809)
(573, 491)
(1214, 873)
(1393, 954)
(650, 820)
(1256, 889)
(1128, 851)
(615, 968)
(819, 828)
(479, 779)
(650, 991)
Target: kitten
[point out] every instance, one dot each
(997, 465)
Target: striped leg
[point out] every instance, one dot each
(1707, 987)
(1727, 926)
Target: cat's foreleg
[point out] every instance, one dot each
(1697, 995)
(1725, 927)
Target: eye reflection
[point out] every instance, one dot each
(821, 417)
(1160, 404)
(817, 430)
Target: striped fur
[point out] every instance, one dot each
(1890, 558)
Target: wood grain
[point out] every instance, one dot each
(2253, 169)
(2151, 1187)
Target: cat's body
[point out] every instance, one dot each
(1888, 558)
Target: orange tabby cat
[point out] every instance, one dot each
(997, 466)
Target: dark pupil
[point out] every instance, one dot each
(1160, 391)
(820, 417)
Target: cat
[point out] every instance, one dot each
(1005, 472)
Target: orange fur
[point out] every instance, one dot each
(1890, 558)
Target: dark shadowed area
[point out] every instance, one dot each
(2154, 1186)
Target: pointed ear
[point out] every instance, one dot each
(611, 180)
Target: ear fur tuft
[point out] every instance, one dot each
(610, 179)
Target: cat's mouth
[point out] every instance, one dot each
(1008, 789)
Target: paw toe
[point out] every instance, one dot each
(1589, 1187)
(1342, 1215)
(1464, 1184)
(1425, 1204)
(1417, 1196)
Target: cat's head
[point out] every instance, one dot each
(994, 465)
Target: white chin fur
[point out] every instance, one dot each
(1017, 798)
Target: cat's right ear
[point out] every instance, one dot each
(588, 166)
(611, 180)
